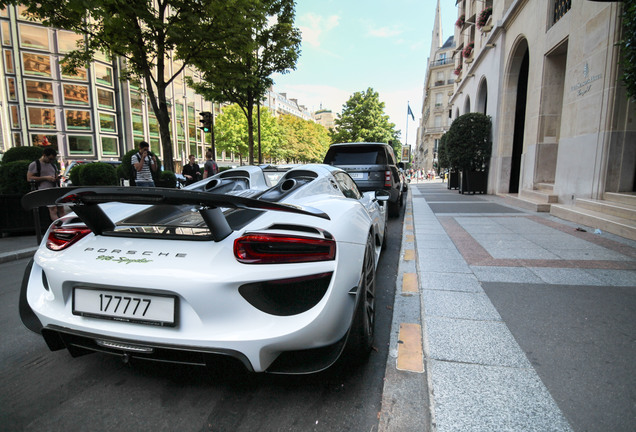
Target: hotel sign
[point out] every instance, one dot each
(585, 86)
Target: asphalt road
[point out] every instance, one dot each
(44, 390)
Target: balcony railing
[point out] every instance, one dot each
(561, 7)
(441, 62)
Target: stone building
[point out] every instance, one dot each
(547, 72)
(438, 87)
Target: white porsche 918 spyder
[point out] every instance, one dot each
(281, 278)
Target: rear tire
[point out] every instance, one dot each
(360, 340)
(394, 208)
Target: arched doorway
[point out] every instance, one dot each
(513, 120)
(482, 97)
(467, 105)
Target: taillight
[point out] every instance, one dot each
(279, 249)
(387, 178)
(61, 238)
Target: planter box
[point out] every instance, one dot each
(473, 182)
(14, 219)
(453, 180)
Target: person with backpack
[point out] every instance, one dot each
(144, 164)
(210, 167)
(43, 173)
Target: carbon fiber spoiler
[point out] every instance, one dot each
(85, 200)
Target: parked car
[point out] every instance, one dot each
(280, 278)
(372, 166)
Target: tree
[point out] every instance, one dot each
(302, 140)
(231, 132)
(467, 142)
(145, 34)
(363, 120)
(238, 70)
(628, 47)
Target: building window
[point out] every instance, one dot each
(8, 61)
(110, 146)
(80, 145)
(34, 37)
(136, 102)
(15, 118)
(107, 122)
(4, 12)
(39, 91)
(78, 120)
(153, 126)
(43, 140)
(561, 7)
(75, 94)
(11, 89)
(37, 64)
(67, 41)
(81, 74)
(438, 99)
(103, 74)
(6, 33)
(17, 139)
(438, 121)
(137, 124)
(41, 118)
(105, 99)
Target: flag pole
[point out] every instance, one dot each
(406, 140)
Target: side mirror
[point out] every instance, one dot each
(382, 195)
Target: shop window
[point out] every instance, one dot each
(36, 64)
(107, 122)
(105, 99)
(103, 74)
(39, 91)
(80, 145)
(41, 118)
(67, 41)
(8, 61)
(75, 94)
(11, 89)
(78, 120)
(81, 74)
(34, 37)
(15, 118)
(6, 33)
(110, 146)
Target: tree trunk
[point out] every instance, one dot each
(250, 133)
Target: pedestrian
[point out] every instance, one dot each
(191, 171)
(44, 174)
(144, 163)
(210, 167)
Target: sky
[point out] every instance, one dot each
(351, 45)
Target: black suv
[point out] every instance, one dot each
(372, 166)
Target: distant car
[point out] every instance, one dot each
(280, 278)
(65, 181)
(372, 166)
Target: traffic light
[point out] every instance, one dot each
(206, 121)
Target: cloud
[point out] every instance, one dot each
(385, 32)
(314, 27)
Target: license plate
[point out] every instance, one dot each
(357, 176)
(125, 306)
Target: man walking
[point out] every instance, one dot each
(143, 162)
(45, 174)
(210, 167)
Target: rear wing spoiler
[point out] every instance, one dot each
(85, 202)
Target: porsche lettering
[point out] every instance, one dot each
(134, 252)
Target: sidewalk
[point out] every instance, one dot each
(17, 247)
(521, 321)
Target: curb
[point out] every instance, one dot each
(17, 255)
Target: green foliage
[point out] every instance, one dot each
(442, 154)
(74, 174)
(628, 47)
(468, 142)
(97, 174)
(302, 140)
(166, 179)
(28, 153)
(255, 41)
(363, 120)
(13, 177)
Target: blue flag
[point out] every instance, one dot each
(409, 112)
